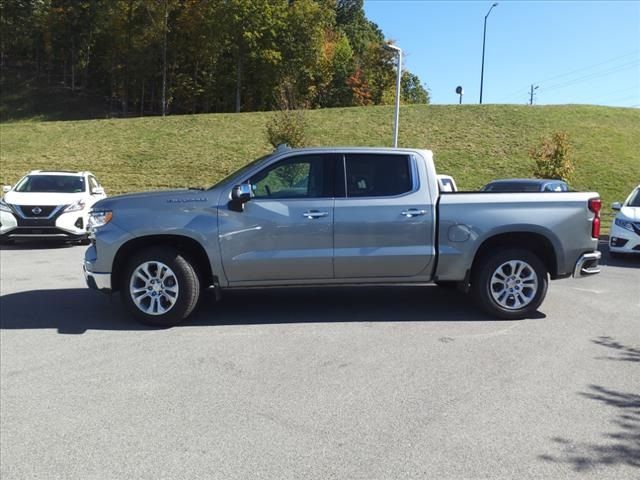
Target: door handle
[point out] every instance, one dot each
(315, 214)
(413, 212)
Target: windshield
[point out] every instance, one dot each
(512, 187)
(51, 184)
(241, 171)
(634, 201)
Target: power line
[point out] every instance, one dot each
(591, 76)
(525, 88)
(620, 99)
(615, 92)
(635, 52)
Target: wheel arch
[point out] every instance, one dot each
(539, 244)
(190, 248)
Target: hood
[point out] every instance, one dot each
(166, 198)
(632, 213)
(42, 199)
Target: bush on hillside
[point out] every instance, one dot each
(553, 157)
(288, 125)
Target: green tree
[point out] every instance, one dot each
(553, 157)
(411, 91)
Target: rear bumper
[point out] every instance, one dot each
(587, 264)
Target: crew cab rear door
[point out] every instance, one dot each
(384, 225)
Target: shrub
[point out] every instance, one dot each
(553, 157)
(288, 125)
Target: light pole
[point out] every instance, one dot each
(484, 38)
(398, 50)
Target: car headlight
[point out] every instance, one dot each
(4, 207)
(626, 224)
(75, 206)
(99, 218)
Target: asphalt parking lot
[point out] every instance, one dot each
(360, 383)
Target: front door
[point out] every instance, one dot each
(286, 230)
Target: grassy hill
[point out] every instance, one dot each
(473, 143)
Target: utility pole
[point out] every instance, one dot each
(533, 88)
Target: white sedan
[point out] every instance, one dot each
(49, 205)
(625, 231)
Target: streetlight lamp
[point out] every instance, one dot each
(484, 38)
(398, 50)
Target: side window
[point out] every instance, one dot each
(447, 185)
(377, 175)
(305, 176)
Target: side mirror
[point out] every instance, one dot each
(240, 194)
(6, 188)
(97, 191)
(616, 206)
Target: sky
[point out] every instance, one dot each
(574, 51)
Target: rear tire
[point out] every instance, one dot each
(510, 284)
(160, 287)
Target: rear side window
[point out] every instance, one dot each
(377, 175)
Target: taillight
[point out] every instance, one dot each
(595, 205)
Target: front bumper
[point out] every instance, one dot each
(97, 281)
(622, 240)
(64, 226)
(587, 264)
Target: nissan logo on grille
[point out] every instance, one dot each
(36, 211)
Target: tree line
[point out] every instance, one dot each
(196, 56)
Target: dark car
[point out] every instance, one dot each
(526, 185)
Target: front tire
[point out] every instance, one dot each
(160, 287)
(510, 284)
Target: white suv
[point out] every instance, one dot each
(625, 230)
(49, 205)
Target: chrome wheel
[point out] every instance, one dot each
(153, 288)
(514, 284)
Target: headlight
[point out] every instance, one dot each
(4, 207)
(75, 206)
(99, 218)
(626, 224)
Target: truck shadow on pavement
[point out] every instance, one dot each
(617, 448)
(74, 311)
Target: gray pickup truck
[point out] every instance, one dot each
(338, 216)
